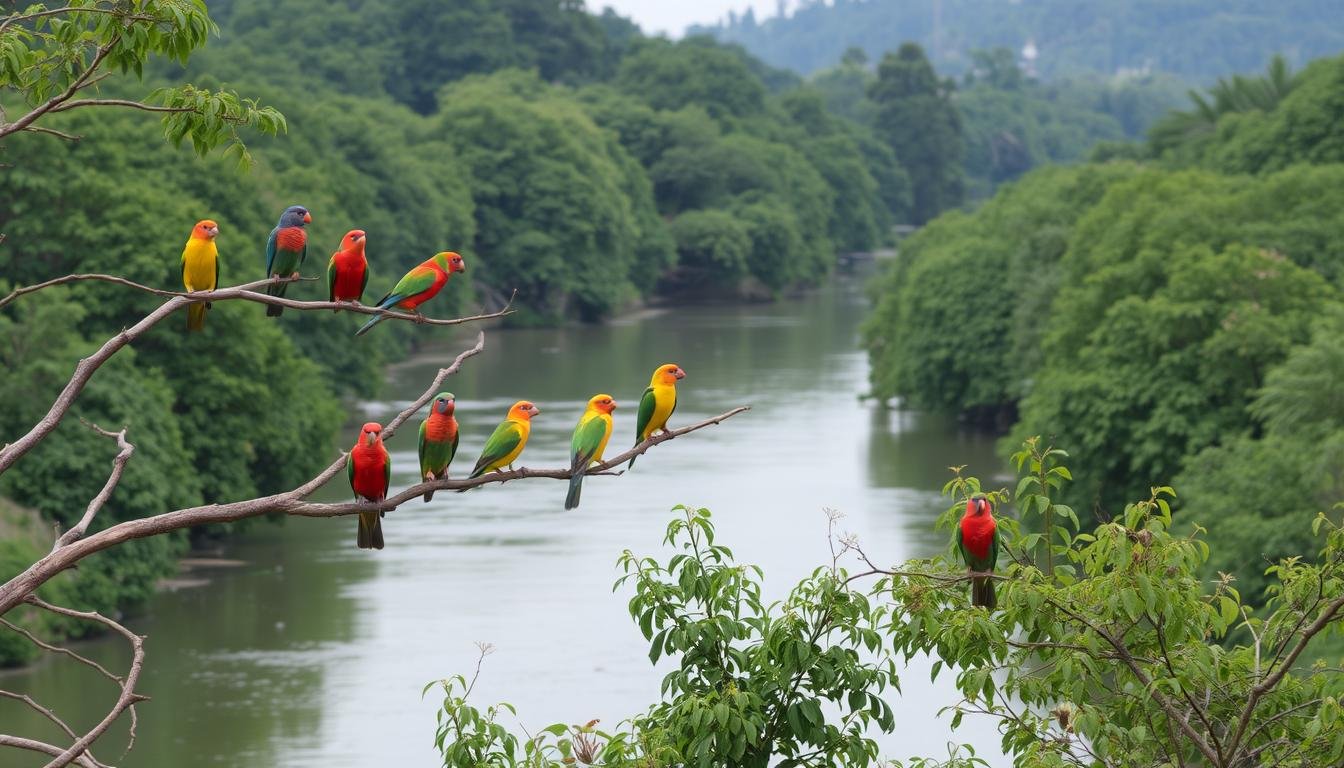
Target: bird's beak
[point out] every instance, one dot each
(361, 238)
(680, 374)
(307, 218)
(369, 437)
(534, 410)
(613, 406)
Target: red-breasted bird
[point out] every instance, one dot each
(370, 471)
(978, 541)
(657, 403)
(589, 441)
(419, 285)
(508, 439)
(438, 439)
(200, 269)
(348, 270)
(285, 251)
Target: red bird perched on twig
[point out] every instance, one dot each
(370, 471)
(978, 541)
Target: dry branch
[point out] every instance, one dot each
(128, 697)
(48, 714)
(245, 292)
(33, 745)
(124, 451)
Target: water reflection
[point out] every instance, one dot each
(314, 653)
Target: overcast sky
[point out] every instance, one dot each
(673, 16)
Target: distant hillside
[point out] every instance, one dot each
(1197, 39)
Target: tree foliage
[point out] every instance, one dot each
(52, 57)
(1108, 648)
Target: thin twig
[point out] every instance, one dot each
(48, 714)
(53, 132)
(124, 451)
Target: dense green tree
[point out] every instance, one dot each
(562, 211)
(668, 75)
(916, 117)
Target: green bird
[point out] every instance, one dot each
(508, 439)
(286, 249)
(589, 441)
(438, 439)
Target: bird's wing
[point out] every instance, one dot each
(588, 436)
(994, 548)
(418, 280)
(961, 547)
(303, 254)
(363, 284)
(331, 278)
(270, 251)
(420, 449)
(647, 403)
(215, 287)
(350, 468)
(387, 471)
(501, 443)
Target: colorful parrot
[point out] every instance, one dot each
(200, 269)
(419, 285)
(348, 270)
(438, 439)
(508, 439)
(657, 403)
(589, 441)
(978, 541)
(370, 471)
(285, 251)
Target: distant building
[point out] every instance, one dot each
(1029, 55)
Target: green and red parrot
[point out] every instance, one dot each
(978, 542)
(348, 270)
(200, 269)
(438, 439)
(419, 285)
(370, 471)
(657, 403)
(589, 441)
(285, 251)
(508, 439)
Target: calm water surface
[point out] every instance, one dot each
(306, 651)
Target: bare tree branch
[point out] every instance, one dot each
(41, 746)
(128, 697)
(124, 451)
(87, 366)
(48, 714)
(40, 643)
(16, 589)
(78, 103)
(53, 132)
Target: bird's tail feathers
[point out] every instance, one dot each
(575, 488)
(372, 322)
(196, 316)
(370, 534)
(982, 592)
(275, 289)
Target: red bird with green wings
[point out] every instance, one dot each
(978, 542)
(419, 285)
(370, 471)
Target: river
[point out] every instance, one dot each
(301, 650)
